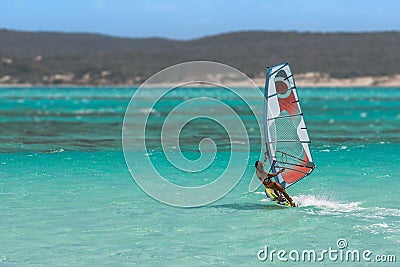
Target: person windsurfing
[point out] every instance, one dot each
(266, 180)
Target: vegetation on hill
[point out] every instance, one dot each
(54, 58)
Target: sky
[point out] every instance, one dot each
(189, 19)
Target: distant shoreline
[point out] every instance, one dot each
(311, 79)
(302, 80)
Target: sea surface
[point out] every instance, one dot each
(68, 199)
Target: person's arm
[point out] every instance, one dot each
(265, 158)
(277, 173)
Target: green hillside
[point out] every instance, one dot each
(53, 58)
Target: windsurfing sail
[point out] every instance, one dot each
(286, 133)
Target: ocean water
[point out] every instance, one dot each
(68, 199)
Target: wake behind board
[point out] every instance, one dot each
(270, 194)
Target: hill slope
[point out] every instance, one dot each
(46, 57)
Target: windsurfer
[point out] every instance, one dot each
(266, 179)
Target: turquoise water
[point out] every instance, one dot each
(68, 199)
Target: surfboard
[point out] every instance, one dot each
(270, 194)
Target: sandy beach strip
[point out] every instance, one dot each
(310, 79)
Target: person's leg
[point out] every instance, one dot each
(278, 195)
(279, 188)
(271, 185)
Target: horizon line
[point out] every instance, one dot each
(203, 36)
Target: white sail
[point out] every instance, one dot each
(286, 135)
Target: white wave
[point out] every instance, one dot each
(85, 111)
(326, 204)
(58, 150)
(238, 142)
(379, 228)
(382, 225)
(265, 199)
(147, 110)
(384, 212)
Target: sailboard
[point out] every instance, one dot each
(270, 194)
(286, 135)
